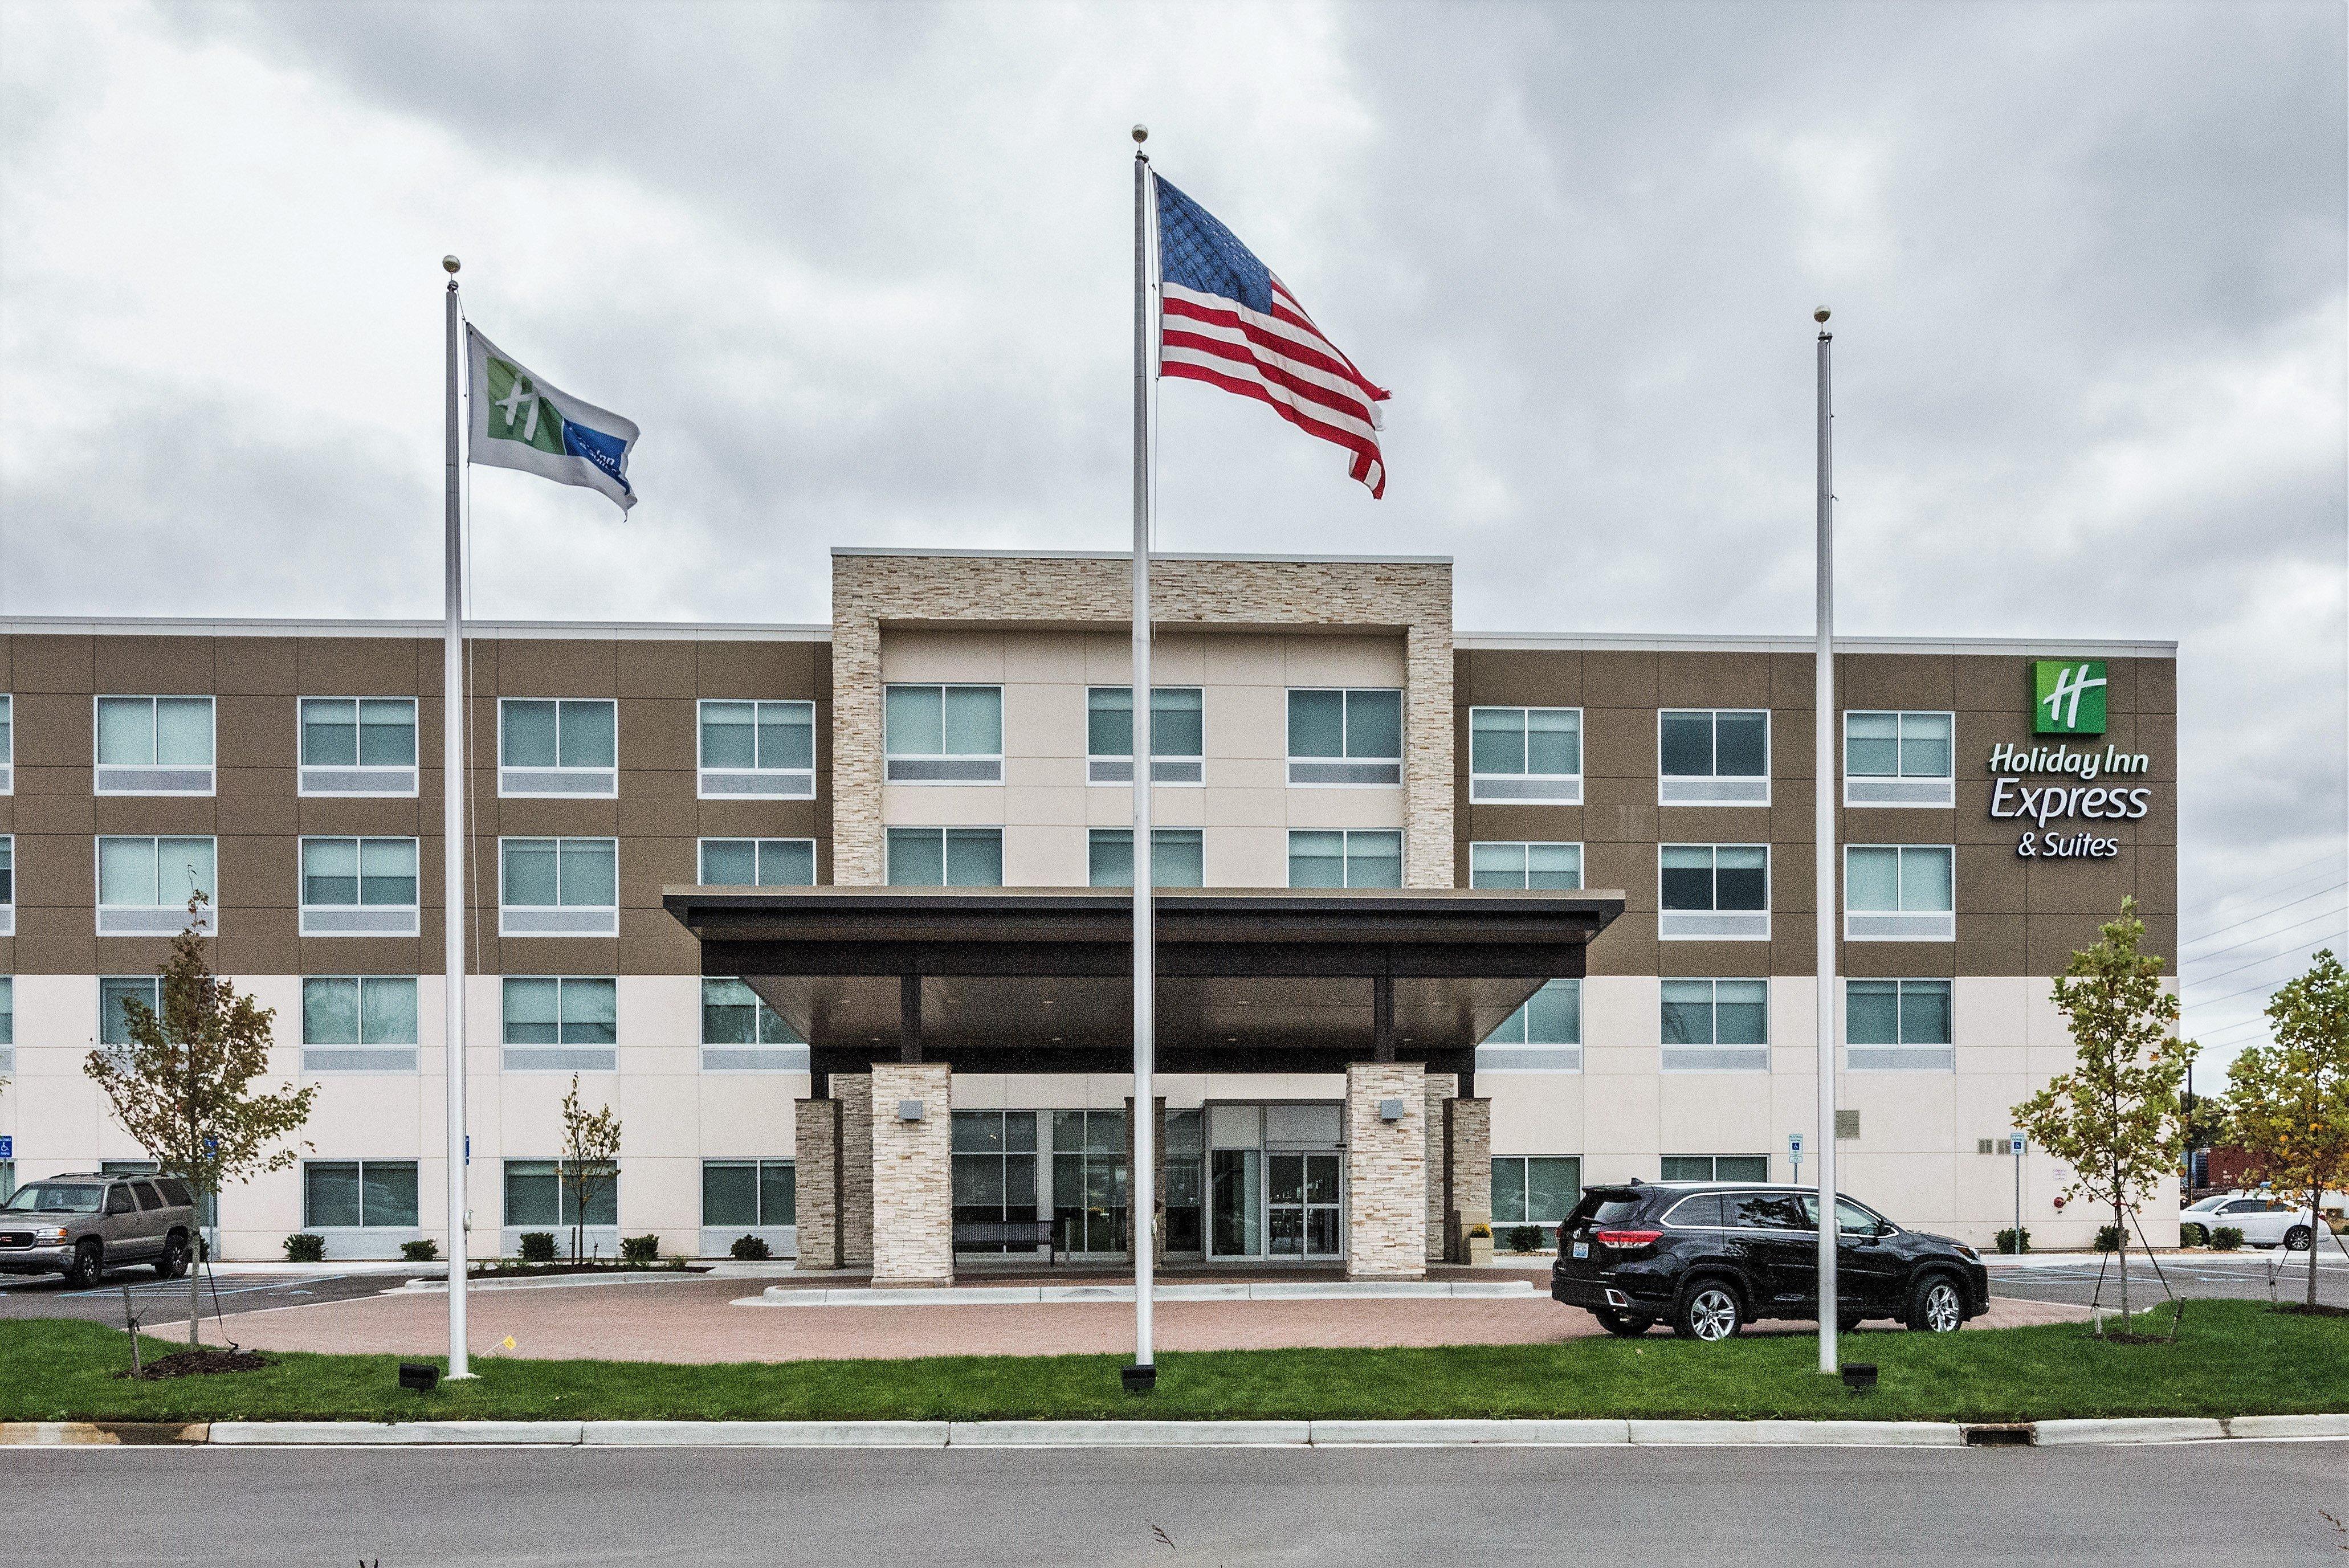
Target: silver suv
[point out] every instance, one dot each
(80, 1225)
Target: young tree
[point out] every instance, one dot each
(183, 1083)
(2116, 1118)
(591, 1154)
(2288, 1103)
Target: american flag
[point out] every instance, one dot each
(1225, 320)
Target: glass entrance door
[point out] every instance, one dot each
(1276, 1180)
(1301, 1205)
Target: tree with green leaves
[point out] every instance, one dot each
(182, 1084)
(2116, 1118)
(2288, 1103)
(591, 1156)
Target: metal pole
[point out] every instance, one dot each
(2017, 1144)
(1142, 1203)
(1823, 776)
(452, 858)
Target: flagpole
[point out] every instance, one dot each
(1823, 775)
(452, 830)
(1143, 1202)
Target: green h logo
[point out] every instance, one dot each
(2069, 697)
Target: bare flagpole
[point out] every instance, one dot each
(1823, 776)
(452, 830)
(1143, 1202)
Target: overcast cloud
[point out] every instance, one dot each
(863, 275)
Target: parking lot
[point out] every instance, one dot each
(160, 1302)
(2252, 1276)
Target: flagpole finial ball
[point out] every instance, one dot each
(450, 264)
(1141, 133)
(1819, 315)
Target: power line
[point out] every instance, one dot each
(2264, 915)
(2269, 936)
(2333, 860)
(2269, 986)
(2293, 952)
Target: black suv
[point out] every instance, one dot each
(1709, 1257)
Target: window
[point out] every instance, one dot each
(1353, 858)
(744, 1195)
(1714, 892)
(144, 884)
(7, 744)
(1716, 1025)
(1898, 893)
(1345, 737)
(758, 863)
(558, 887)
(567, 1024)
(154, 745)
(1720, 1168)
(551, 747)
(1526, 754)
(1177, 737)
(994, 1171)
(757, 750)
(1088, 1179)
(8, 1034)
(358, 746)
(1898, 758)
(354, 1194)
(1538, 1190)
(1531, 866)
(946, 857)
(1890, 1025)
(113, 1021)
(359, 1024)
(1544, 1036)
(1177, 857)
(7, 884)
(359, 887)
(1712, 756)
(539, 1197)
(741, 1034)
(943, 734)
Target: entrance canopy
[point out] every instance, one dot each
(1039, 980)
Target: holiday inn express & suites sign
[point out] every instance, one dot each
(2049, 784)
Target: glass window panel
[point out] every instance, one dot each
(1317, 724)
(7, 1013)
(1373, 859)
(1108, 721)
(113, 1022)
(1512, 1031)
(974, 721)
(1105, 1133)
(1688, 1167)
(126, 731)
(1872, 1013)
(1688, 1013)
(728, 735)
(1509, 1189)
(917, 857)
(730, 862)
(330, 1192)
(1687, 881)
(530, 1012)
(1554, 1016)
(778, 1193)
(786, 735)
(388, 1192)
(591, 1013)
(729, 1192)
(1374, 724)
(1178, 858)
(1553, 740)
(1872, 745)
(1925, 879)
(7, 870)
(7, 751)
(1687, 749)
(602, 1201)
(978, 1180)
(1109, 858)
(1924, 1012)
(526, 733)
(730, 1014)
(528, 870)
(330, 732)
(330, 1012)
(587, 738)
(387, 732)
(183, 731)
(1742, 745)
(1316, 858)
(1925, 745)
(1741, 1168)
(1871, 879)
(914, 721)
(1553, 1187)
(388, 872)
(125, 873)
(1176, 723)
(1554, 866)
(330, 870)
(787, 862)
(184, 866)
(591, 873)
(1742, 876)
(1496, 865)
(1741, 1013)
(1186, 1132)
(532, 1193)
(977, 1132)
(387, 1011)
(1496, 740)
(974, 857)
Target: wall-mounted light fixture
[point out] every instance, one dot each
(909, 1111)
(1390, 1111)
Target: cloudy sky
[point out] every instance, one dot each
(863, 275)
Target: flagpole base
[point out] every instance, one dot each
(1138, 1379)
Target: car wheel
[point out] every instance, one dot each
(174, 1261)
(1625, 1324)
(1936, 1307)
(2298, 1238)
(88, 1264)
(1709, 1311)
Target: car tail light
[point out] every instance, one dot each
(1629, 1238)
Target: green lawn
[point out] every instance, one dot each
(2235, 1357)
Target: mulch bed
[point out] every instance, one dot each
(198, 1364)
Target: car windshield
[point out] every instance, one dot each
(1605, 1208)
(2205, 1206)
(57, 1198)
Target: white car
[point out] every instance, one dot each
(2264, 1221)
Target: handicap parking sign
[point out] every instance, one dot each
(8, 1147)
(1794, 1143)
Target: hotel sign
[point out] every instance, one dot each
(2050, 787)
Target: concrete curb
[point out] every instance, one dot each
(617, 1276)
(2155, 1429)
(1035, 1294)
(765, 1434)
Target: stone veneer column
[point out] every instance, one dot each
(816, 1155)
(1467, 1167)
(1386, 1172)
(1133, 1188)
(854, 1092)
(912, 1176)
(1441, 1087)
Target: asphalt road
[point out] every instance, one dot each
(162, 1302)
(2241, 1503)
(2244, 1274)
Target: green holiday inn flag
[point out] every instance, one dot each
(521, 422)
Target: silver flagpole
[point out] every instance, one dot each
(452, 829)
(1142, 1203)
(1823, 776)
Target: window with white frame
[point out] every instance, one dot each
(1536, 1190)
(1526, 754)
(1556, 866)
(1712, 756)
(1716, 1025)
(1891, 1025)
(359, 887)
(558, 746)
(1716, 1168)
(558, 887)
(1713, 893)
(757, 750)
(946, 857)
(154, 745)
(7, 744)
(358, 1194)
(1545, 1036)
(741, 1196)
(358, 746)
(8, 1029)
(1353, 857)
(942, 734)
(1178, 740)
(359, 1024)
(543, 1195)
(568, 1023)
(741, 1034)
(144, 884)
(1177, 857)
(1898, 758)
(1898, 893)
(113, 991)
(7, 884)
(1345, 737)
(758, 863)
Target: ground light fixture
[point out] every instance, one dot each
(1859, 1376)
(422, 1375)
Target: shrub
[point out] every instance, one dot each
(1525, 1238)
(2227, 1238)
(639, 1249)
(750, 1248)
(538, 1246)
(2007, 1240)
(2109, 1238)
(305, 1248)
(2190, 1234)
(423, 1251)
(1484, 1231)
